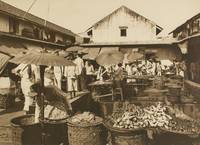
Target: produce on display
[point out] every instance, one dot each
(85, 117)
(55, 113)
(151, 116)
(184, 126)
(155, 116)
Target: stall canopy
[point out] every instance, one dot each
(128, 50)
(33, 48)
(108, 49)
(164, 53)
(11, 48)
(3, 61)
(91, 53)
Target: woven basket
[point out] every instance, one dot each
(26, 131)
(120, 136)
(56, 131)
(87, 134)
(17, 136)
(7, 97)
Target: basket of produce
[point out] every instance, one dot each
(110, 125)
(55, 113)
(121, 136)
(55, 118)
(183, 127)
(142, 117)
(86, 128)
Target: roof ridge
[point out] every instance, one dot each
(122, 7)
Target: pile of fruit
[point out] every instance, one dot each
(184, 126)
(55, 113)
(85, 117)
(151, 116)
(135, 117)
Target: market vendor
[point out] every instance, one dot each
(129, 71)
(58, 73)
(58, 76)
(102, 73)
(79, 71)
(72, 80)
(57, 105)
(158, 69)
(119, 78)
(89, 72)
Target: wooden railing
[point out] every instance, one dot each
(193, 88)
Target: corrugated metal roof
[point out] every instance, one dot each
(11, 10)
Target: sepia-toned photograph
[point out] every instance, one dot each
(99, 72)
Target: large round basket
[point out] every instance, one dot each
(56, 131)
(7, 97)
(126, 136)
(26, 131)
(86, 134)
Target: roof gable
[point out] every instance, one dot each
(127, 10)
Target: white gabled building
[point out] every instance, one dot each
(123, 25)
(125, 30)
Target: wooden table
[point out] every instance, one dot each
(138, 87)
(139, 79)
(101, 89)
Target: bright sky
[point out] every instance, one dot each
(78, 15)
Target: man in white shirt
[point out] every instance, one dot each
(58, 76)
(89, 72)
(24, 71)
(79, 68)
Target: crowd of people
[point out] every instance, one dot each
(76, 78)
(67, 78)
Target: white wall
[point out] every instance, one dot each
(4, 23)
(138, 29)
